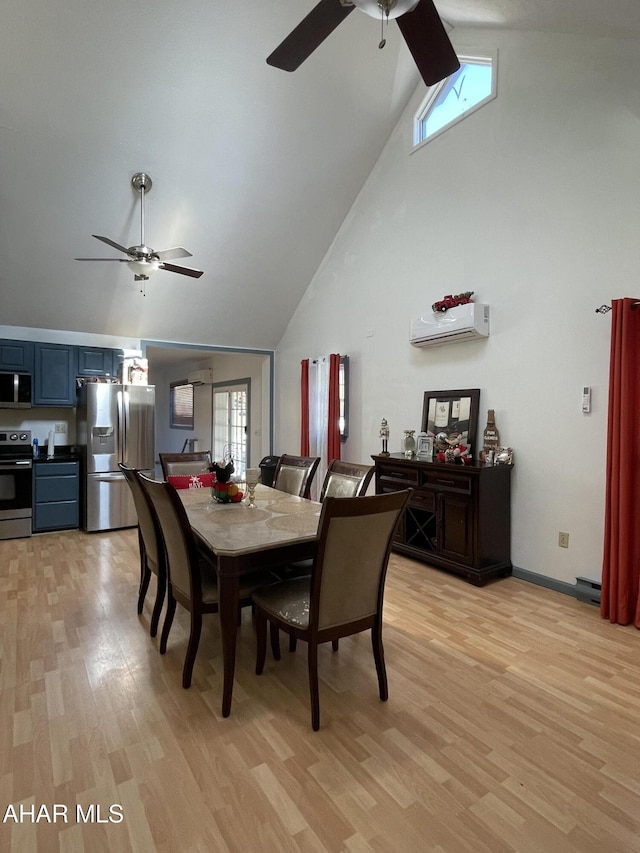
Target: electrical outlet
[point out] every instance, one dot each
(61, 428)
(563, 540)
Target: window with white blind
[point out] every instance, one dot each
(181, 401)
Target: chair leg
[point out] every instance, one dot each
(145, 574)
(261, 640)
(378, 656)
(314, 691)
(334, 645)
(192, 648)
(157, 607)
(168, 620)
(145, 577)
(275, 640)
(293, 643)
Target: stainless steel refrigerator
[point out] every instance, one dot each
(114, 423)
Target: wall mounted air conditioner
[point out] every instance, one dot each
(201, 377)
(461, 323)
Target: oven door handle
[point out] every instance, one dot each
(11, 466)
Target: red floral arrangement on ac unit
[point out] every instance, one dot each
(451, 301)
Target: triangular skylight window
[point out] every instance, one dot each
(472, 86)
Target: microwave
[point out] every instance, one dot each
(15, 390)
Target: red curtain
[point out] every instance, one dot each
(304, 399)
(333, 409)
(620, 602)
(333, 439)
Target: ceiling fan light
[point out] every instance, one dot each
(143, 267)
(375, 8)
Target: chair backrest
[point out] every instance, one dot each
(346, 480)
(179, 541)
(354, 543)
(147, 524)
(294, 474)
(185, 463)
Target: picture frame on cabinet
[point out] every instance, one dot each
(424, 447)
(452, 412)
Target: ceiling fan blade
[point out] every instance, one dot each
(428, 42)
(171, 254)
(118, 260)
(182, 270)
(309, 34)
(111, 243)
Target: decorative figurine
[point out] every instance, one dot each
(504, 456)
(223, 472)
(384, 435)
(451, 301)
(223, 489)
(451, 450)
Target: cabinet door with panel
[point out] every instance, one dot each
(96, 361)
(56, 496)
(55, 371)
(455, 515)
(16, 355)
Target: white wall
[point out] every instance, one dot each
(531, 202)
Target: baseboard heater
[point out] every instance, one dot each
(588, 591)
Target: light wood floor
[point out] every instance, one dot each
(513, 722)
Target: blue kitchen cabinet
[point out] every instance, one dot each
(56, 489)
(98, 361)
(56, 366)
(16, 355)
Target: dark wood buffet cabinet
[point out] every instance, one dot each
(458, 518)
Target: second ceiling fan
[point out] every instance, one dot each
(419, 24)
(142, 260)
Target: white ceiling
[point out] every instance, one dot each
(253, 169)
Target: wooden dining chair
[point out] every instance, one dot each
(294, 474)
(342, 480)
(152, 558)
(184, 463)
(345, 591)
(346, 480)
(191, 576)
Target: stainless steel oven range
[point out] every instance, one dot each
(16, 459)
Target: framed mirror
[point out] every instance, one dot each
(453, 412)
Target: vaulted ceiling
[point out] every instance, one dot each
(253, 168)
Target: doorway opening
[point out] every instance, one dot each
(230, 424)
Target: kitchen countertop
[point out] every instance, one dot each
(62, 454)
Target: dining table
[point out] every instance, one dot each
(278, 528)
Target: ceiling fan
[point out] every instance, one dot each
(142, 260)
(418, 20)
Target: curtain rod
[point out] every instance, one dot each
(604, 309)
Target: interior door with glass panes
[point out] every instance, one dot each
(229, 421)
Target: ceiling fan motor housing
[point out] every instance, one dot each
(388, 8)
